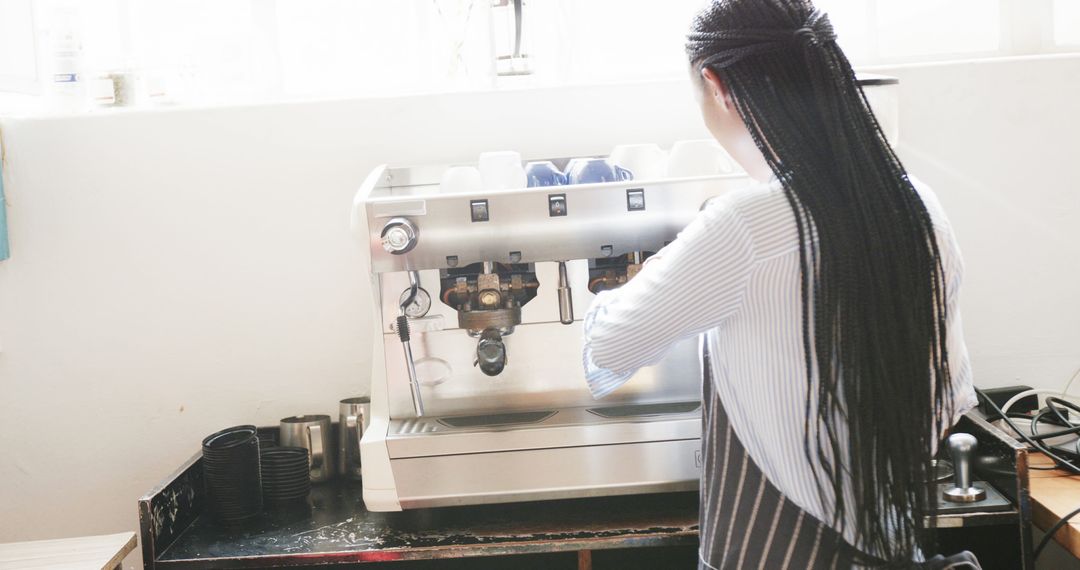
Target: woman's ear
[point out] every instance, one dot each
(715, 87)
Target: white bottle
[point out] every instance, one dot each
(66, 84)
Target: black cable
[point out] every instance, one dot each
(1036, 441)
(1052, 531)
(1063, 463)
(1057, 433)
(1035, 435)
(1053, 401)
(1037, 418)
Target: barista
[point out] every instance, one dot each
(825, 298)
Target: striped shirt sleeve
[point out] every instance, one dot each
(960, 372)
(687, 288)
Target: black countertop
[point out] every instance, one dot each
(336, 528)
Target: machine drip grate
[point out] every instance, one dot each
(493, 420)
(640, 410)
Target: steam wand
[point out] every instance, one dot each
(566, 302)
(403, 334)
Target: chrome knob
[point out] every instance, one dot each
(399, 236)
(962, 449)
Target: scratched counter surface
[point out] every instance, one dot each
(335, 528)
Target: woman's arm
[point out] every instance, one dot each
(690, 286)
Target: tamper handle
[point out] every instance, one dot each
(962, 449)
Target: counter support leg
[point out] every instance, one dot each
(584, 560)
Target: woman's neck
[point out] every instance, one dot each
(740, 145)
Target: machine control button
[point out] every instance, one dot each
(606, 250)
(556, 205)
(479, 210)
(451, 261)
(399, 236)
(635, 199)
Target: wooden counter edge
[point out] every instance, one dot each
(1055, 494)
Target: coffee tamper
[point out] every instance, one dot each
(962, 449)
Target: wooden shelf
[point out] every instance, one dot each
(82, 553)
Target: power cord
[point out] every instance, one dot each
(1035, 442)
(1052, 531)
(1054, 406)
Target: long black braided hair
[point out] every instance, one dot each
(873, 290)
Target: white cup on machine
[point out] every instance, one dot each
(502, 170)
(645, 161)
(703, 157)
(459, 179)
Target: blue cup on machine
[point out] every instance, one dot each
(544, 173)
(594, 170)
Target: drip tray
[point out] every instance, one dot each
(495, 420)
(644, 410)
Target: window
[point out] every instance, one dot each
(1067, 23)
(920, 28)
(18, 59)
(604, 40)
(250, 50)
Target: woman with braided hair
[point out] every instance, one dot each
(826, 300)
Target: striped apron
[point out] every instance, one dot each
(746, 522)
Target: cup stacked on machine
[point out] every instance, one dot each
(503, 170)
(285, 476)
(231, 466)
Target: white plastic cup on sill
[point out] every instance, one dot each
(702, 157)
(502, 170)
(645, 161)
(461, 179)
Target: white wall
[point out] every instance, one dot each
(173, 273)
(999, 141)
(177, 272)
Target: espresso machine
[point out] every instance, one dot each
(477, 391)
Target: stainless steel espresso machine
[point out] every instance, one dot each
(477, 391)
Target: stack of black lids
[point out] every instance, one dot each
(286, 476)
(267, 438)
(231, 465)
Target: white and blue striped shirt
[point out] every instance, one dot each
(732, 276)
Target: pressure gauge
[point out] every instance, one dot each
(420, 305)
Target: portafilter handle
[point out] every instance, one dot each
(962, 449)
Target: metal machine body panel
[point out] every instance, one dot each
(540, 474)
(519, 221)
(571, 427)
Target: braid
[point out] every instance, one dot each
(872, 281)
